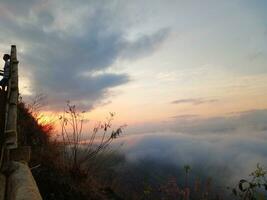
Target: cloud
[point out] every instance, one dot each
(194, 101)
(232, 156)
(184, 117)
(258, 55)
(145, 44)
(59, 47)
(239, 123)
(226, 148)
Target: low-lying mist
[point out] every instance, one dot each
(225, 149)
(226, 157)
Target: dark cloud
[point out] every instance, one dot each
(60, 60)
(194, 101)
(145, 44)
(18, 8)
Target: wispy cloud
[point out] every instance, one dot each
(194, 101)
(240, 123)
(248, 112)
(244, 124)
(258, 55)
(185, 117)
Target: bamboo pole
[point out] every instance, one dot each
(12, 102)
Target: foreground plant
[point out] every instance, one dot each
(78, 152)
(253, 189)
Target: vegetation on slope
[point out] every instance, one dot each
(55, 178)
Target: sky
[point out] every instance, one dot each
(188, 77)
(151, 62)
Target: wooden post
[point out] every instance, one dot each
(12, 102)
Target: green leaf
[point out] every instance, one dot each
(240, 185)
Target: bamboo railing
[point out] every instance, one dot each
(20, 183)
(11, 140)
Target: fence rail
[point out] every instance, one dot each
(19, 184)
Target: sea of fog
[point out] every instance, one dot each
(225, 157)
(226, 147)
